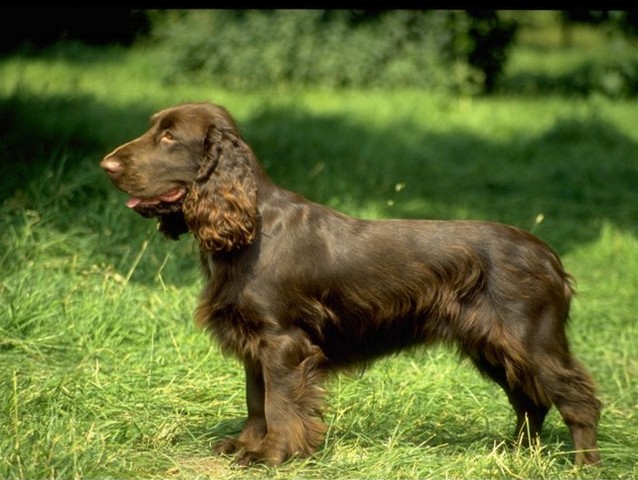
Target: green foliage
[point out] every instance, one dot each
(457, 51)
(490, 39)
(253, 49)
(557, 57)
(612, 77)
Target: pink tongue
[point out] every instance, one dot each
(133, 201)
(170, 196)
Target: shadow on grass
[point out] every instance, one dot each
(428, 434)
(576, 175)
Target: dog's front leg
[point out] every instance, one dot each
(292, 372)
(255, 428)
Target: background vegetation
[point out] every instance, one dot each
(463, 51)
(103, 375)
(459, 51)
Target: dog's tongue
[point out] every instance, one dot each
(133, 202)
(170, 196)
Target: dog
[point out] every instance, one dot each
(296, 290)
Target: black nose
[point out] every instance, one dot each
(111, 165)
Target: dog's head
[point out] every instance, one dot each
(192, 171)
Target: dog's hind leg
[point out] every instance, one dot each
(571, 389)
(530, 413)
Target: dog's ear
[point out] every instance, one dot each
(220, 208)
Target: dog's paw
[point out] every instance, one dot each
(228, 446)
(247, 458)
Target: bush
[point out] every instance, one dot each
(398, 48)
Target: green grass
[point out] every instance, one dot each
(102, 373)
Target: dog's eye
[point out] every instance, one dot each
(167, 136)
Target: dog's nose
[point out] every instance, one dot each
(111, 165)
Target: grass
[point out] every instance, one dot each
(102, 373)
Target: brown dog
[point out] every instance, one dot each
(296, 290)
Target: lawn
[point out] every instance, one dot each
(104, 375)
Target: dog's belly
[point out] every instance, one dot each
(360, 344)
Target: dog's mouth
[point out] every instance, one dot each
(171, 196)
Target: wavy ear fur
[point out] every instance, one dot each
(221, 206)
